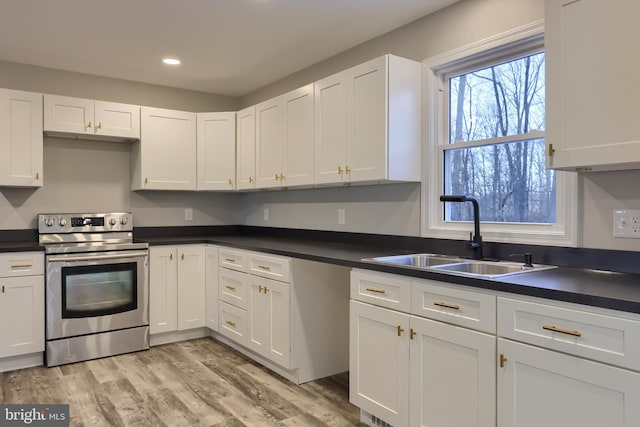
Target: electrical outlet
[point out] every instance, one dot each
(265, 214)
(626, 223)
(341, 216)
(188, 214)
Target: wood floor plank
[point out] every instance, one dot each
(200, 382)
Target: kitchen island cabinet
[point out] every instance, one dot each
(21, 141)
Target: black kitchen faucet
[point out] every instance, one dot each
(475, 242)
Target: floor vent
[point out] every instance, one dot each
(375, 421)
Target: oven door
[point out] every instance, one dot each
(96, 292)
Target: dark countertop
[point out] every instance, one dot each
(618, 291)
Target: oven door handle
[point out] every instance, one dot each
(72, 258)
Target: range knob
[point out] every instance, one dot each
(123, 220)
(62, 222)
(112, 221)
(49, 222)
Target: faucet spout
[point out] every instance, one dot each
(475, 243)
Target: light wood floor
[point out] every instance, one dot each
(192, 383)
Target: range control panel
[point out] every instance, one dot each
(85, 223)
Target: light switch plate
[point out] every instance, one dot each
(188, 214)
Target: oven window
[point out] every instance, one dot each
(99, 290)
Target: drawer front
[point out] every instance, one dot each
(233, 287)
(233, 323)
(385, 290)
(605, 338)
(233, 259)
(14, 264)
(270, 267)
(469, 309)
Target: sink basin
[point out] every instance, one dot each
(488, 269)
(417, 260)
(458, 266)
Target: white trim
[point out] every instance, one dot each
(564, 232)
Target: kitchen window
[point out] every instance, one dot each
(485, 133)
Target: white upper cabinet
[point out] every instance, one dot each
(216, 141)
(165, 156)
(591, 91)
(65, 116)
(284, 140)
(367, 123)
(246, 148)
(20, 138)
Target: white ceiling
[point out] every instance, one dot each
(229, 47)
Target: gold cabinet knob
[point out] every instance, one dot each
(339, 170)
(347, 169)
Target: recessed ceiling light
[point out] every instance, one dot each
(171, 61)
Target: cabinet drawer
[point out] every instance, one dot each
(605, 338)
(381, 289)
(14, 264)
(270, 267)
(233, 259)
(233, 287)
(233, 323)
(470, 309)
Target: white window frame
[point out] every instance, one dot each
(436, 135)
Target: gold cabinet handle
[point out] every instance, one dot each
(37, 176)
(233, 288)
(281, 177)
(22, 266)
(378, 291)
(3, 289)
(502, 360)
(170, 257)
(146, 180)
(250, 180)
(266, 290)
(89, 125)
(264, 267)
(260, 289)
(400, 330)
(182, 257)
(99, 125)
(230, 259)
(412, 333)
(231, 322)
(551, 150)
(277, 177)
(444, 304)
(230, 181)
(339, 170)
(562, 331)
(347, 169)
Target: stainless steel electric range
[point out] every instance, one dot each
(97, 287)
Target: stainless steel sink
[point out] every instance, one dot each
(417, 260)
(458, 266)
(489, 269)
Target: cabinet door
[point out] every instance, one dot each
(211, 277)
(117, 120)
(269, 143)
(448, 361)
(167, 157)
(269, 310)
(191, 287)
(330, 129)
(539, 387)
(216, 151)
(163, 289)
(20, 138)
(367, 121)
(69, 115)
(298, 137)
(21, 315)
(591, 94)
(379, 362)
(246, 148)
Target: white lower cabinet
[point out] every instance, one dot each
(411, 371)
(21, 303)
(176, 288)
(573, 366)
(211, 287)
